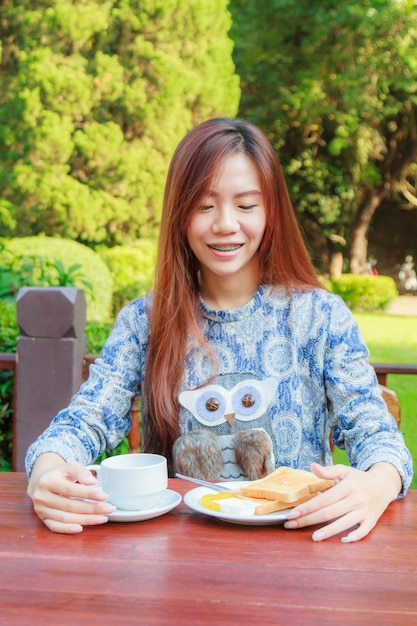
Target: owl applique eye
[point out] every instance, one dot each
(211, 406)
(214, 405)
(246, 400)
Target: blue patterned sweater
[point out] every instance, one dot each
(300, 357)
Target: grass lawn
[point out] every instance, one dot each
(393, 339)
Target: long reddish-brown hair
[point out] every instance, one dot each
(175, 311)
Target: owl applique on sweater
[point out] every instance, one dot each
(229, 430)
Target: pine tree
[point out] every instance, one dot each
(94, 97)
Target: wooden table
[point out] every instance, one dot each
(187, 569)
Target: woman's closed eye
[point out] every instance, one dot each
(242, 207)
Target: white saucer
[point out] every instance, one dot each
(168, 501)
(192, 500)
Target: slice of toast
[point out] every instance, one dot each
(264, 506)
(286, 485)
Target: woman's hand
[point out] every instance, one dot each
(59, 491)
(354, 503)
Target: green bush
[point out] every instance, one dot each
(95, 335)
(363, 292)
(8, 335)
(131, 268)
(50, 261)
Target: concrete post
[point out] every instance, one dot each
(50, 354)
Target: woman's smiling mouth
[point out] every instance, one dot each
(226, 247)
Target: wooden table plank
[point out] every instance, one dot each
(184, 568)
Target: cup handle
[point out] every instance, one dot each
(96, 470)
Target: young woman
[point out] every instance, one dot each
(238, 337)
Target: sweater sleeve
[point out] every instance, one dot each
(359, 418)
(98, 417)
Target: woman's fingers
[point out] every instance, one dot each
(72, 524)
(65, 529)
(350, 506)
(66, 499)
(70, 516)
(332, 472)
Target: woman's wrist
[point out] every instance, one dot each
(389, 476)
(43, 463)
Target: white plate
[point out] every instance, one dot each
(192, 500)
(168, 501)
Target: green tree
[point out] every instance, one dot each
(334, 85)
(94, 96)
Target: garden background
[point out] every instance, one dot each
(94, 97)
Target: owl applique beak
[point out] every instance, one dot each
(230, 419)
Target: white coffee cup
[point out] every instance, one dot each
(132, 481)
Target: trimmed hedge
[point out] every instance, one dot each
(51, 262)
(365, 293)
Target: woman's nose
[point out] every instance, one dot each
(225, 221)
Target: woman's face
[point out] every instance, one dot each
(225, 232)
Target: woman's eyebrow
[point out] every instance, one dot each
(241, 194)
(249, 192)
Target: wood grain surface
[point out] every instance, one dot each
(190, 569)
